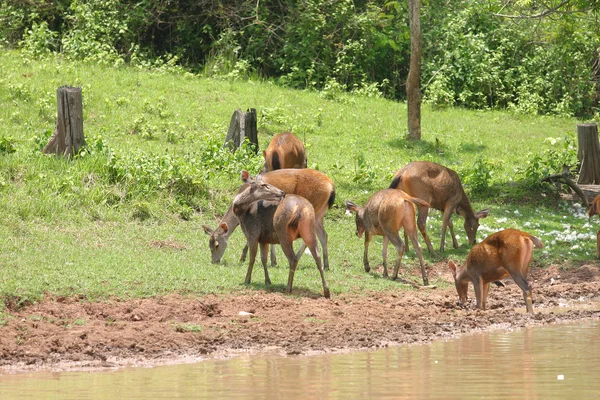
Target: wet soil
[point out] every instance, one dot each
(68, 333)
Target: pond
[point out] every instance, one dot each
(559, 361)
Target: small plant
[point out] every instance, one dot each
(478, 178)
(7, 145)
(182, 328)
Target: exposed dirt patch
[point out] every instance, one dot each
(70, 333)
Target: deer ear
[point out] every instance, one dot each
(452, 267)
(244, 175)
(483, 213)
(224, 227)
(351, 206)
(207, 229)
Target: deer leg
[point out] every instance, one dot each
(288, 250)
(384, 254)
(422, 224)
(273, 256)
(486, 289)
(264, 253)
(366, 253)
(521, 281)
(445, 222)
(397, 242)
(315, 253)
(253, 251)
(451, 226)
(419, 251)
(322, 235)
(478, 287)
(244, 253)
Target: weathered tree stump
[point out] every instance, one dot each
(588, 154)
(242, 125)
(67, 137)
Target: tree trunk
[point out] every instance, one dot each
(588, 154)
(413, 86)
(68, 137)
(242, 125)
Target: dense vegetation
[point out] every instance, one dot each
(475, 54)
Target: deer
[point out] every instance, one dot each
(267, 215)
(284, 151)
(384, 214)
(313, 185)
(442, 189)
(594, 209)
(502, 254)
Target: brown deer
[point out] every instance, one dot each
(313, 185)
(594, 209)
(501, 254)
(285, 151)
(441, 188)
(268, 216)
(384, 214)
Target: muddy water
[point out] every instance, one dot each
(561, 361)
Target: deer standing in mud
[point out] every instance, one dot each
(268, 216)
(313, 185)
(502, 254)
(285, 151)
(594, 209)
(441, 188)
(384, 214)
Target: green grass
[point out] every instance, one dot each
(125, 219)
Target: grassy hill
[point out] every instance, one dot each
(124, 218)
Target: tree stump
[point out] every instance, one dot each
(67, 137)
(242, 125)
(588, 154)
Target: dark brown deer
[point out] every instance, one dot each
(594, 209)
(285, 151)
(313, 185)
(441, 188)
(501, 254)
(268, 216)
(384, 214)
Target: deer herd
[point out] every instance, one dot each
(288, 201)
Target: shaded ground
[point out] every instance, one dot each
(66, 333)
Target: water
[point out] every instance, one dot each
(561, 361)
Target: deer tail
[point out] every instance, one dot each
(331, 198)
(396, 182)
(276, 164)
(536, 242)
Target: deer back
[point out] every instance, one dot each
(432, 182)
(285, 151)
(502, 253)
(313, 185)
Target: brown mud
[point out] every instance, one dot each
(69, 333)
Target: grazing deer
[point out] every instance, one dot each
(267, 215)
(384, 214)
(501, 254)
(594, 209)
(284, 151)
(441, 188)
(313, 185)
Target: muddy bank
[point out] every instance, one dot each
(66, 333)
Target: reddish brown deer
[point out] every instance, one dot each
(285, 151)
(313, 185)
(267, 215)
(384, 214)
(441, 188)
(595, 209)
(501, 254)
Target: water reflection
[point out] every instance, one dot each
(516, 365)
